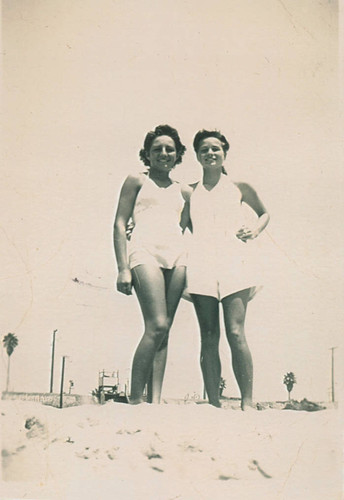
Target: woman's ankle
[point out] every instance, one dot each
(215, 403)
(247, 404)
(135, 401)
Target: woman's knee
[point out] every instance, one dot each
(158, 328)
(236, 333)
(209, 338)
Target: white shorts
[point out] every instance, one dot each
(164, 260)
(206, 283)
(219, 277)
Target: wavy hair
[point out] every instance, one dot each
(204, 134)
(157, 132)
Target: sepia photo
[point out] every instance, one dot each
(172, 249)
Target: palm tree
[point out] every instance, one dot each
(10, 341)
(222, 386)
(289, 380)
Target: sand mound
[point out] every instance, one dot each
(166, 452)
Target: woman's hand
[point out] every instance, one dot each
(124, 281)
(129, 229)
(250, 197)
(245, 233)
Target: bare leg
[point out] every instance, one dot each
(207, 310)
(174, 286)
(234, 311)
(154, 385)
(149, 284)
(158, 293)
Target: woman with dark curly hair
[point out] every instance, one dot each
(153, 261)
(222, 263)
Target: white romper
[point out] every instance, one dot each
(157, 236)
(219, 263)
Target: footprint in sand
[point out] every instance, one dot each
(226, 478)
(254, 465)
(125, 431)
(153, 455)
(96, 454)
(35, 427)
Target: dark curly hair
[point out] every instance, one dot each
(158, 131)
(204, 134)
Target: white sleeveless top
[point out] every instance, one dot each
(156, 217)
(216, 217)
(217, 213)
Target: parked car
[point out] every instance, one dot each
(109, 388)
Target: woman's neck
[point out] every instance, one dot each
(211, 177)
(160, 178)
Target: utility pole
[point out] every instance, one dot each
(332, 373)
(52, 362)
(62, 379)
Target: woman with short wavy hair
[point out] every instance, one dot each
(153, 261)
(222, 267)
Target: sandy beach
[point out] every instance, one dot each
(84, 81)
(169, 451)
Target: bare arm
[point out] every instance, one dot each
(250, 197)
(126, 203)
(185, 221)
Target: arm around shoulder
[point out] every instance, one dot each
(186, 191)
(185, 221)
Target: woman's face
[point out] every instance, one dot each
(210, 153)
(162, 154)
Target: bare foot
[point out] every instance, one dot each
(217, 404)
(135, 401)
(249, 408)
(248, 405)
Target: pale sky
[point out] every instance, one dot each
(83, 82)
